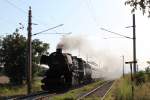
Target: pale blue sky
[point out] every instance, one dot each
(79, 17)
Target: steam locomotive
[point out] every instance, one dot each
(64, 71)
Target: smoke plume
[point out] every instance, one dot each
(107, 61)
(71, 43)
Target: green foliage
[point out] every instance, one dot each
(41, 71)
(147, 71)
(140, 77)
(142, 92)
(9, 90)
(123, 89)
(13, 55)
(0, 52)
(65, 97)
(143, 5)
(92, 97)
(38, 49)
(73, 94)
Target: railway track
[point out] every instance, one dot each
(41, 95)
(100, 91)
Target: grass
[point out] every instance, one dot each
(142, 92)
(73, 94)
(122, 90)
(8, 90)
(92, 97)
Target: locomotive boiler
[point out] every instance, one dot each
(64, 71)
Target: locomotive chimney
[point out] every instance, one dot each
(59, 50)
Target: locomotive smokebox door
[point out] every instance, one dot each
(59, 50)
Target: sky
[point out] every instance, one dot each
(82, 18)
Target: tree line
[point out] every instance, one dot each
(13, 57)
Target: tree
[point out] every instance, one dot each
(0, 52)
(143, 5)
(13, 54)
(147, 69)
(38, 49)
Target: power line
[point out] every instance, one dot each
(20, 9)
(112, 37)
(48, 29)
(115, 33)
(15, 6)
(56, 33)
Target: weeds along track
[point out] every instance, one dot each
(99, 92)
(41, 95)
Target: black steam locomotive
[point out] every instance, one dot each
(64, 71)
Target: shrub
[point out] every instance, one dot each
(139, 77)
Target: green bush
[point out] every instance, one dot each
(147, 71)
(139, 77)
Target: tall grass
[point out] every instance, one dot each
(142, 92)
(122, 90)
(9, 90)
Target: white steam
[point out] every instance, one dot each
(71, 43)
(108, 63)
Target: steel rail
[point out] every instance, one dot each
(92, 91)
(35, 96)
(108, 91)
(43, 97)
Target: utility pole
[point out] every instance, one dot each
(134, 41)
(29, 67)
(134, 45)
(132, 78)
(29, 51)
(123, 65)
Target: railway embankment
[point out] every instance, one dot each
(122, 88)
(75, 93)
